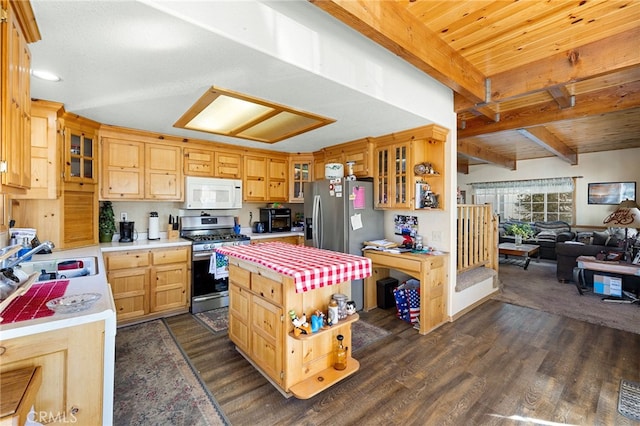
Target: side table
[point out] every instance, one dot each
(592, 264)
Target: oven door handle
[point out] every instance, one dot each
(202, 256)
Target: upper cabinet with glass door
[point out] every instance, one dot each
(301, 172)
(410, 169)
(81, 154)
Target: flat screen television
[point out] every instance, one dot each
(607, 286)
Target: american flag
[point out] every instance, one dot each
(408, 302)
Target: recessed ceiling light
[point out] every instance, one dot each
(45, 75)
(228, 113)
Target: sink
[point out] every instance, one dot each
(61, 268)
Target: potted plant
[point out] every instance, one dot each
(520, 231)
(106, 222)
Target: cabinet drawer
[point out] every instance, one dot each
(163, 257)
(267, 288)
(126, 260)
(239, 276)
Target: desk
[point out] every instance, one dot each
(591, 263)
(430, 270)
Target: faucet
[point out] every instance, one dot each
(12, 263)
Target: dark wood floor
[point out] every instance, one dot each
(497, 362)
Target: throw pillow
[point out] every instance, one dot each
(546, 236)
(585, 237)
(600, 238)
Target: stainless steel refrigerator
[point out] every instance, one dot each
(328, 212)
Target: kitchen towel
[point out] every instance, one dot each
(219, 266)
(33, 304)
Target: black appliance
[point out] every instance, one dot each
(208, 290)
(276, 220)
(126, 232)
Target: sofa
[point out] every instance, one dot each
(585, 244)
(545, 234)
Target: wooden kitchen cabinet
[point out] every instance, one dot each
(212, 163)
(128, 274)
(46, 151)
(149, 283)
(169, 279)
(301, 171)
(17, 30)
(396, 185)
(70, 221)
(259, 326)
(80, 149)
(71, 360)
(265, 178)
(134, 168)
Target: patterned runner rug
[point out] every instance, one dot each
(362, 333)
(629, 399)
(155, 382)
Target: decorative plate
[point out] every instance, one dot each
(420, 169)
(73, 302)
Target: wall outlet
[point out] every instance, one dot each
(123, 216)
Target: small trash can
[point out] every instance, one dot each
(385, 288)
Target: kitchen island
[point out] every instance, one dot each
(75, 351)
(266, 282)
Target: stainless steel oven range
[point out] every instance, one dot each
(207, 233)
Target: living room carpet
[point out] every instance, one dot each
(155, 383)
(538, 288)
(362, 333)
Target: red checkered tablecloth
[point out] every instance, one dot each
(310, 267)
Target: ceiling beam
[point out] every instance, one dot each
(462, 166)
(478, 153)
(547, 140)
(602, 57)
(561, 95)
(611, 99)
(390, 25)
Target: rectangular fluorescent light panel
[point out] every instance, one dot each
(228, 113)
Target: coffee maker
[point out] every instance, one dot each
(126, 232)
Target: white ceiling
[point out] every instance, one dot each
(142, 64)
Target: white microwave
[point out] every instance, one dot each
(211, 193)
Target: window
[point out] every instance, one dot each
(538, 200)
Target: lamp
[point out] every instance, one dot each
(626, 215)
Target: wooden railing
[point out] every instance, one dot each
(477, 239)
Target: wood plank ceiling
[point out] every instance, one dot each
(532, 78)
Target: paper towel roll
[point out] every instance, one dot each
(154, 228)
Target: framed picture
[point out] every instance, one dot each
(611, 192)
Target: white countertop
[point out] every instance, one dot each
(140, 244)
(103, 309)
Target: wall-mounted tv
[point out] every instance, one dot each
(611, 192)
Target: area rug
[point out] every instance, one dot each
(155, 383)
(362, 333)
(629, 399)
(538, 288)
(216, 319)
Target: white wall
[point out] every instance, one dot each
(612, 166)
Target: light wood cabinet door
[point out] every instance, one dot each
(122, 169)
(168, 287)
(266, 337)
(163, 172)
(80, 150)
(199, 162)
(255, 178)
(239, 317)
(71, 361)
(300, 172)
(278, 179)
(80, 217)
(228, 165)
(130, 292)
(15, 105)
